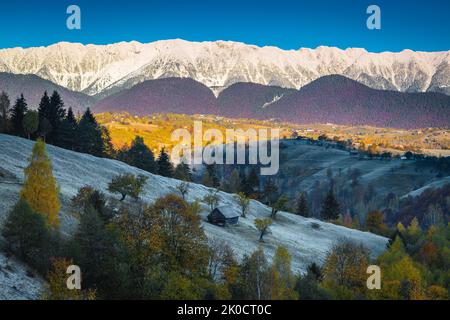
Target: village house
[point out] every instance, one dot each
(224, 215)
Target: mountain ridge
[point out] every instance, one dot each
(100, 70)
(329, 99)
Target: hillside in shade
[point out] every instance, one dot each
(307, 239)
(170, 95)
(247, 100)
(339, 100)
(330, 99)
(33, 88)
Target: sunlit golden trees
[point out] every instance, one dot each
(183, 242)
(401, 278)
(282, 278)
(40, 190)
(345, 271)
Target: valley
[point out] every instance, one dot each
(157, 130)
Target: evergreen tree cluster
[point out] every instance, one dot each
(55, 125)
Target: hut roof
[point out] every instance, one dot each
(228, 212)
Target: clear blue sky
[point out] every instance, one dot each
(289, 24)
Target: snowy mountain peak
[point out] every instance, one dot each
(106, 69)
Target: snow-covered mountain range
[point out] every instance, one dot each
(100, 70)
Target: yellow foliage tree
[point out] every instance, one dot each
(401, 278)
(345, 271)
(40, 190)
(282, 279)
(56, 287)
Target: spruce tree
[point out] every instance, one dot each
(107, 146)
(44, 116)
(235, 182)
(56, 115)
(101, 256)
(165, 167)
(5, 106)
(67, 132)
(270, 192)
(139, 156)
(207, 180)
(301, 207)
(246, 185)
(90, 135)
(253, 180)
(212, 173)
(17, 114)
(40, 190)
(27, 236)
(183, 172)
(330, 207)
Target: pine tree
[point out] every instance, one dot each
(44, 116)
(40, 189)
(90, 135)
(207, 180)
(5, 105)
(67, 132)
(235, 182)
(17, 114)
(139, 156)
(165, 167)
(212, 173)
(107, 146)
(25, 233)
(183, 172)
(270, 192)
(56, 115)
(301, 207)
(245, 186)
(330, 207)
(88, 197)
(253, 180)
(100, 255)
